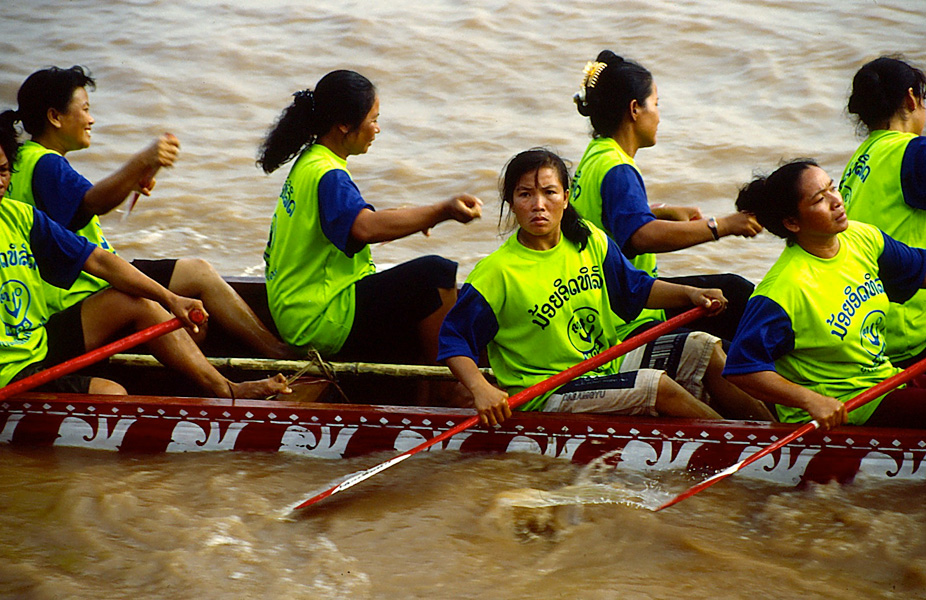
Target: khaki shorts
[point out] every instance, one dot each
(632, 391)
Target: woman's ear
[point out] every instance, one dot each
(634, 109)
(791, 224)
(54, 117)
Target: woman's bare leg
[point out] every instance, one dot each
(105, 314)
(731, 401)
(672, 400)
(98, 385)
(196, 278)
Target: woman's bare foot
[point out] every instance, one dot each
(260, 388)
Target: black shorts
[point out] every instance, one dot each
(389, 305)
(65, 341)
(160, 269)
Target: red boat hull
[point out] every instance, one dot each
(153, 424)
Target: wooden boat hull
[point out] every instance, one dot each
(152, 424)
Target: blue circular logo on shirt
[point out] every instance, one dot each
(15, 299)
(872, 334)
(585, 331)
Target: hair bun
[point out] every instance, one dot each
(609, 58)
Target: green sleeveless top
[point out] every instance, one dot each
(872, 191)
(310, 282)
(602, 155)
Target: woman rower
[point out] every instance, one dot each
(322, 286)
(813, 334)
(34, 337)
(55, 109)
(554, 294)
(884, 183)
(620, 98)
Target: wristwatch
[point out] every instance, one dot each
(712, 225)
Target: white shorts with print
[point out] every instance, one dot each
(682, 356)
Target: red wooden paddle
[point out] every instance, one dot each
(518, 399)
(79, 362)
(865, 397)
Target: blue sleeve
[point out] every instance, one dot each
(468, 327)
(913, 173)
(763, 336)
(339, 203)
(624, 206)
(59, 254)
(59, 191)
(901, 268)
(628, 287)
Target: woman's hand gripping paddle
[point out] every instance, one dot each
(865, 397)
(516, 400)
(79, 362)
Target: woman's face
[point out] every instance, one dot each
(647, 121)
(73, 125)
(5, 173)
(820, 211)
(538, 203)
(358, 140)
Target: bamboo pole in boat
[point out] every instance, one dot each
(292, 366)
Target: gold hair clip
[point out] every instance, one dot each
(591, 73)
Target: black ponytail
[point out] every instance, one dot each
(775, 197)
(340, 98)
(879, 89)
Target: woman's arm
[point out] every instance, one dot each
(663, 235)
(382, 226)
(135, 175)
(126, 278)
(491, 402)
(769, 386)
(672, 295)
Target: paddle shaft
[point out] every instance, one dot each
(79, 362)
(864, 398)
(521, 397)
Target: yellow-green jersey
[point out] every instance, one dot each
(34, 251)
(884, 184)
(608, 191)
(821, 323)
(44, 179)
(540, 312)
(311, 260)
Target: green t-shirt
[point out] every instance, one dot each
(310, 279)
(591, 198)
(57, 256)
(541, 312)
(21, 190)
(872, 190)
(825, 325)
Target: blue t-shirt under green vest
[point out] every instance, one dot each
(820, 322)
(310, 280)
(541, 312)
(874, 192)
(21, 189)
(588, 196)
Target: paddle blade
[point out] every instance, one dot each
(343, 483)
